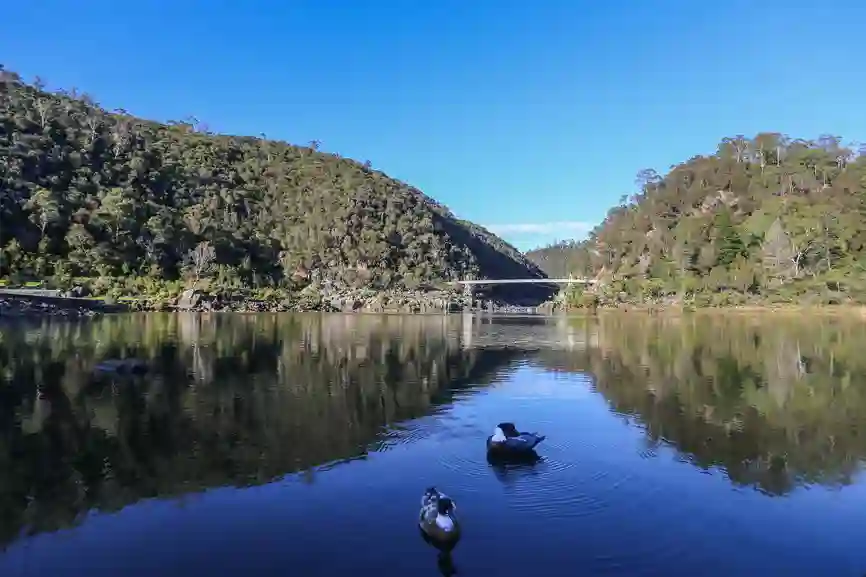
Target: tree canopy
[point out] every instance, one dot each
(92, 193)
(764, 218)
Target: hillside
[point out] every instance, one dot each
(767, 219)
(88, 193)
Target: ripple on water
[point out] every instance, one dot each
(601, 497)
(552, 494)
(569, 484)
(465, 466)
(648, 451)
(399, 435)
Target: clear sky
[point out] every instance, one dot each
(529, 117)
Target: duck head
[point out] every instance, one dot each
(445, 506)
(508, 429)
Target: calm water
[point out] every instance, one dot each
(300, 445)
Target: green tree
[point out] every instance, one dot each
(44, 209)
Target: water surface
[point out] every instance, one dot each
(281, 444)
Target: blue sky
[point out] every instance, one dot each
(529, 117)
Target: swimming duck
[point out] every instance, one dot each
(507, 440)
(436, 519)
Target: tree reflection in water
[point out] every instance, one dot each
(244, 399)
(229, 399)
(775, 403)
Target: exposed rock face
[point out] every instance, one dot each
(189, 299)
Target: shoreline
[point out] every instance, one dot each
(14, 306)
(22, 305)
(769, 308)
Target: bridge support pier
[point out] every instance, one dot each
(466, 319)
(467, 293)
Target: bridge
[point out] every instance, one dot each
(527, 281)
(468, 284)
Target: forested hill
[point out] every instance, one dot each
(767, 218)
(89, 193)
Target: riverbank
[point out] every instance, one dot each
(30, 306)
(81, 302)
(74, 304)
(851, 310)
(321, 299)
(729, 302)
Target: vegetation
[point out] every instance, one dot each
(767, 219)
(131, 205)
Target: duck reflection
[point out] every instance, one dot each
(444, 561)
(509, 467)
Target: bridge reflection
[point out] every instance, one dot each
(528, 332)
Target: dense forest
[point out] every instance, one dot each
(125, 205)
(764, 219)
(91, 194)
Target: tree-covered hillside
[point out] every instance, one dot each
(88, 193)
(769, 218)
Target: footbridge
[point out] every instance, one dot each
(490, 281)
(469, 284)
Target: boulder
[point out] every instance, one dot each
(189, 299)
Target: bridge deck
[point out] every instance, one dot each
(528, 281)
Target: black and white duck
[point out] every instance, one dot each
(506, 440)
(437, 518)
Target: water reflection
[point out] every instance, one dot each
(444, 558)
(508, 469)
(367, 411)
(774, 403)
(227, 400)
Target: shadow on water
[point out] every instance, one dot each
(227, 400)
(508, 468)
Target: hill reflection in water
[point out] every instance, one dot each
(281, 402)
(774, 404)
(228, 400)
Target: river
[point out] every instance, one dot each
(278, 444)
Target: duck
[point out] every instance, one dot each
(506, 440)
(437, 518)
